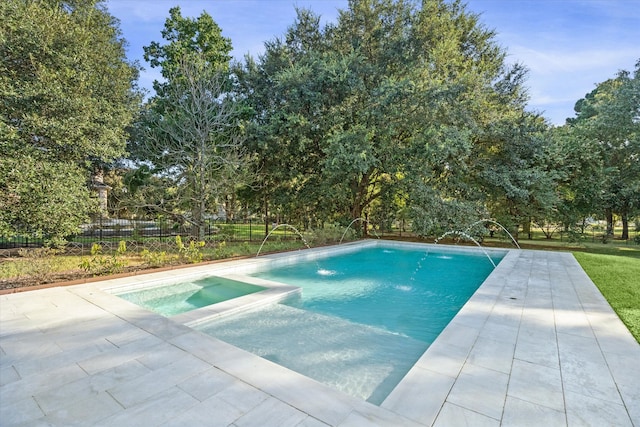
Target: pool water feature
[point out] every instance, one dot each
(363, 319)
(177, 298)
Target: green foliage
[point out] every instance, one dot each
(156, 259)
(391, 99)
(42, 198)
(433, 215)
(189, 127)
(187, 36)
(221, 251)
(192, 252)
(330, 233)
(67, 98)
(607, 124)
(100, 263)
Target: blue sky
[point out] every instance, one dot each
(568, 45)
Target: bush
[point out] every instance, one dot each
(330, 234)
(191, 253)
(574, 236)
(105, 264)
(221, 251)
(155, 259)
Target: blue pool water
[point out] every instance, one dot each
(364, 318)
(181, 297)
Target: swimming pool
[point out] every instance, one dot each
(364, 317)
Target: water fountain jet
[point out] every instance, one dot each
(283, 225)
(496, 223)
(465, 235)
(351, 223)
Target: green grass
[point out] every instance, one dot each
(618, 278)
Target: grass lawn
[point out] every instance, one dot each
(618, 278)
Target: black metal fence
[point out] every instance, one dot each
(107, 230)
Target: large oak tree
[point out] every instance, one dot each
(68, 94)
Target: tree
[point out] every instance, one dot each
(577, 161)
(197, 143)
(68, 94)
(610, 115)
(201, 37)
(289, 90)
(395, 101)
(189, 138)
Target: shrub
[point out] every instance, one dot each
(155, 259)
(191, 253)
(331, 233)
(222, 251)
(105, 264)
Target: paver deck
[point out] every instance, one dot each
(536, 345)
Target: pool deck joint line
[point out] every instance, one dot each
(537, 344)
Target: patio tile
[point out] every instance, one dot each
(311, 422)
(143, 387)
(445, 359)
(35, 347)
(499, 330)
(162, 355)
(374, 416)
(211, 412)
(160, 409)
(584, 369)
(42, 365)
(117, 356)
(416, 400)
(34, 384)
(8, 374)
(242, 396)
(459, 335)
(492, 354)
(587, 411)
(87, 411)
(207, 348)
(521, 413)
(536, 384)
(86, 387)
(481, 390)
(453, 415)
(542, 352)
(207, 384)
(15, 412)
(627, 379)
(271, 412)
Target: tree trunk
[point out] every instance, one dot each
(526, 228)
(625, 226)
(266, 216)
(609, 215)
(197, 226)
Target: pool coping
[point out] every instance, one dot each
(485, 368)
